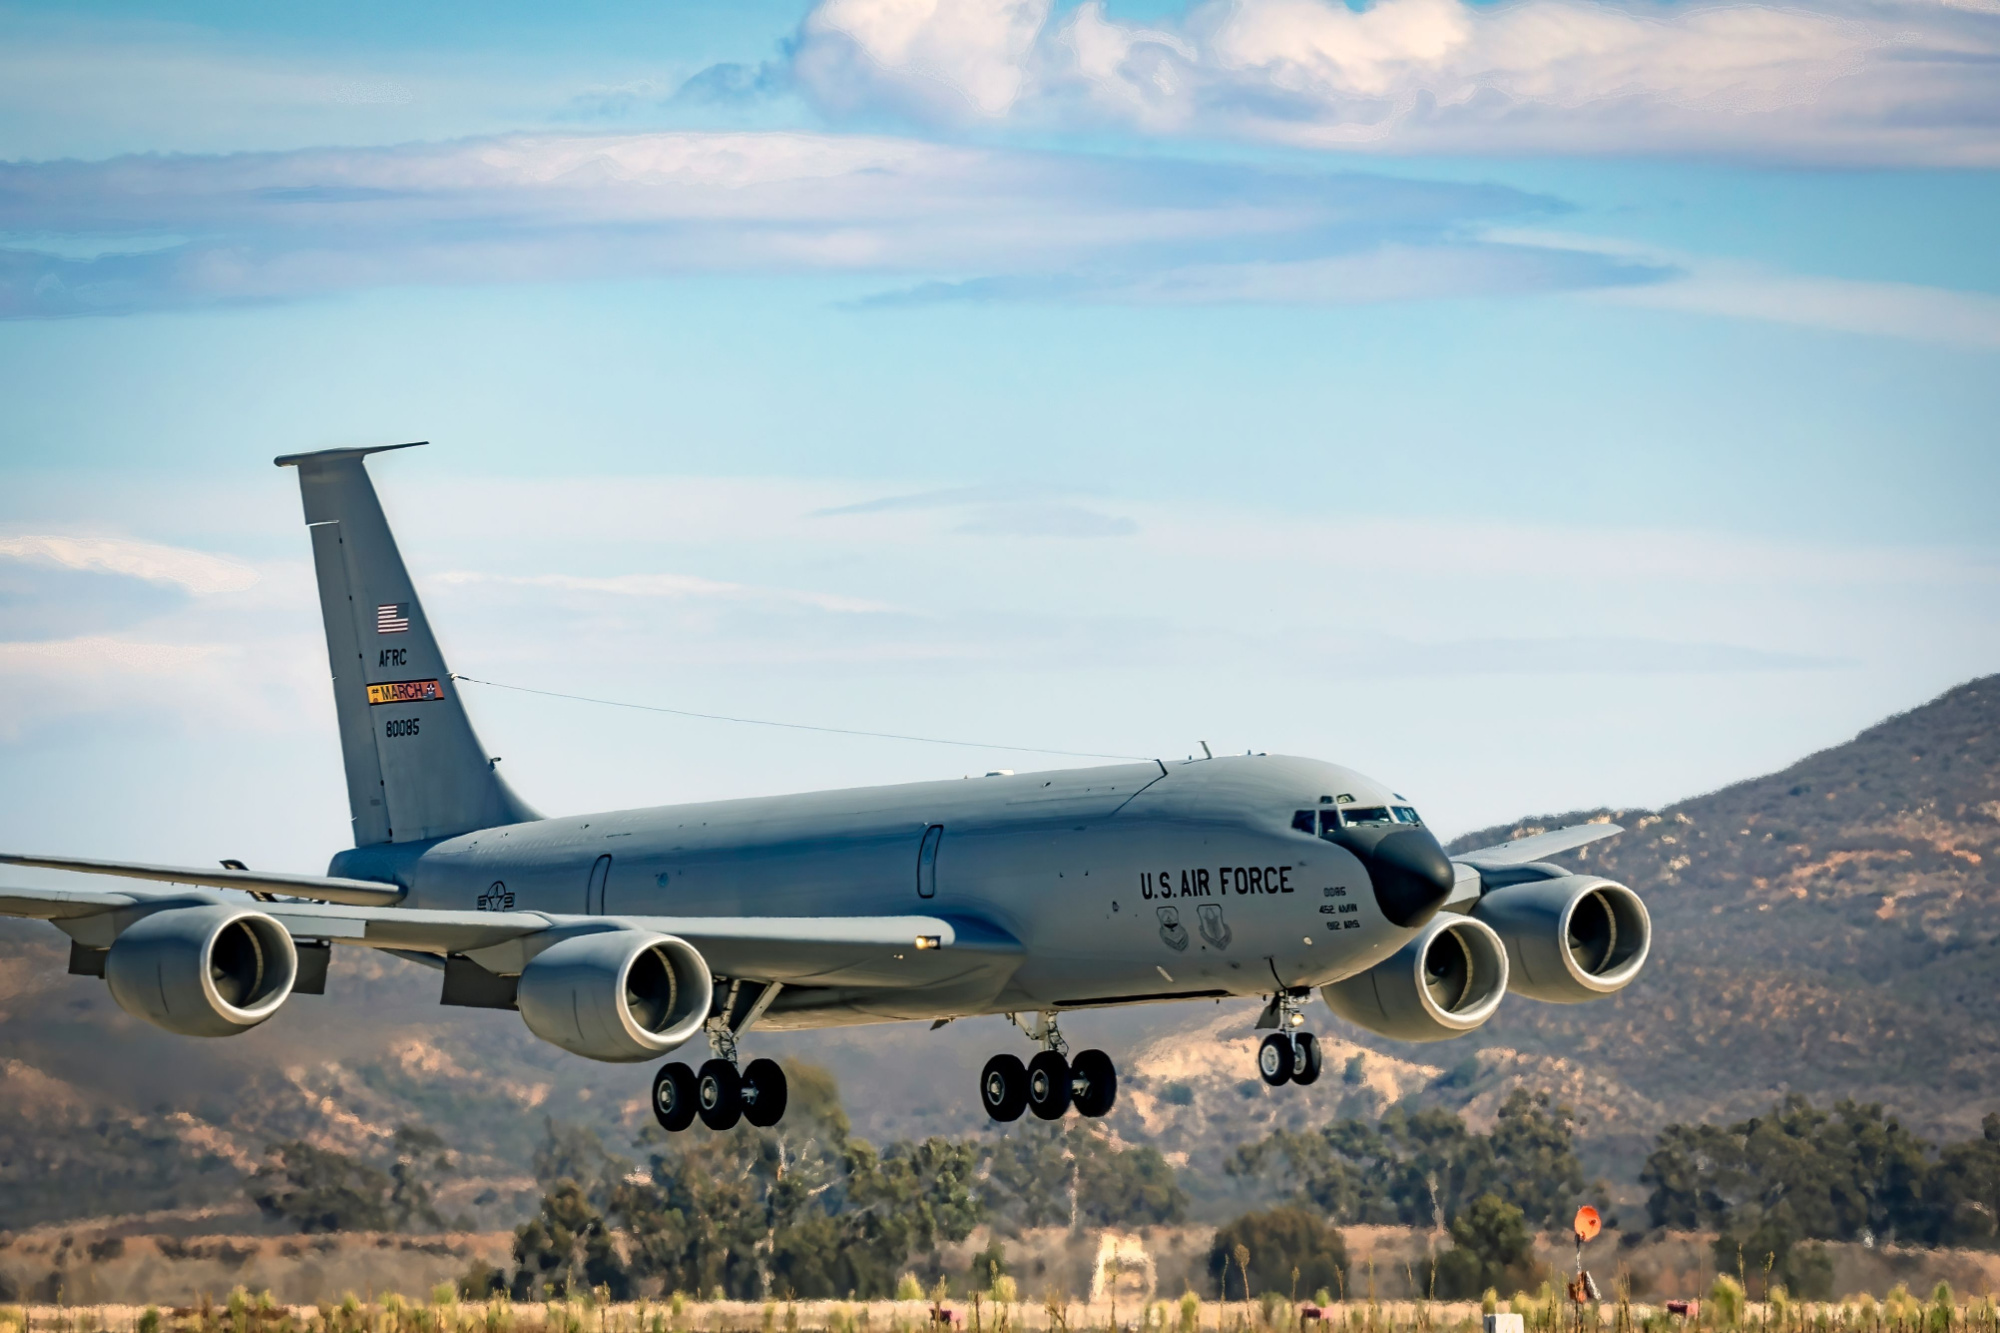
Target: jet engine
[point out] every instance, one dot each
(202, 971)
(619, 995)
(1442, 984)
(1569, 937)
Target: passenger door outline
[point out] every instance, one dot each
(593, 894)
(927, 856)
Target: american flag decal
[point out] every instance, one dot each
(393, 618)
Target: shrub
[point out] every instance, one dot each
(908, 1288)
(1264, 1248)
(1725, 1300)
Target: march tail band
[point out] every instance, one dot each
(415, 768)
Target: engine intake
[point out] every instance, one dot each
(1570, 938)
(619, 995)
(202, 971)
(1442, 984)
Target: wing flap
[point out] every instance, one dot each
(1538, 845)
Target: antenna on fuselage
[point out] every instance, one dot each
(1206, 753)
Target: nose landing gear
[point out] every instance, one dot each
(1050, 1083)
(1287, 1055)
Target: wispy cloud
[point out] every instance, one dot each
(196, 571)
(674, 587)
(998, 511)
(1700, 284)
(275, 226)
(1882, 81)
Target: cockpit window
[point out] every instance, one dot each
(1302, 820)
(1364, 815)
(1405, 815)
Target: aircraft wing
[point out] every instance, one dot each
(907, 950)
(1538, 845)
(323, 887)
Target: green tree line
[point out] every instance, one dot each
(809, 1209)
(1771, 1184)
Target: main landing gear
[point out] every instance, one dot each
(718, 1094)
(1050, 1083)
(1287, 1055)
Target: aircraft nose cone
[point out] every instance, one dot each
(1411, 874)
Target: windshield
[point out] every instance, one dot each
(1405, 815)
(1364, 815)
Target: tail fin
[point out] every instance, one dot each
(415, 769)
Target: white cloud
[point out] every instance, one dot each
(197, 571)
(1842, 80)
(960, 51)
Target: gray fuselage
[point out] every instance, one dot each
(1121, 884)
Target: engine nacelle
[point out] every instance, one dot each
(202, 971)
(1570, 938)
(620, 995)
(1442, 984)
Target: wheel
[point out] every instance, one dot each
(1274, 1059)
(1003, 1087)
(719, 1091)
(1305, 1059)
(674, 1097)
(764, 1093)
(1048, 1085)
(1093, 1080)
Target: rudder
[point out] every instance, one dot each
(415, 768)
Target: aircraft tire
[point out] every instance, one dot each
(764, 1093)
(1048, 1085)
(1274, 1059)
(1306, 1059)
(1003, 1087)
(1094, 1081)
(719, 1091)
(674, 1097)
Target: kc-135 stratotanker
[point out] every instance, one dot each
(622, 936)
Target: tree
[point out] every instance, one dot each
(566, 1248)
(316, 1189)
(1277, 1241)
(420, 1157)
(1422, 1168)
(804, 1209)
(1491, 1247)
(1030, 1172)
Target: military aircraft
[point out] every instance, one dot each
(622, 936)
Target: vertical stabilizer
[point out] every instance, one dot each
(415, 770)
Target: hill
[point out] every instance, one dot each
(1829, 929)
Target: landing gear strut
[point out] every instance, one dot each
(1287, 1055)
(720, 1094)
(1050, 1083)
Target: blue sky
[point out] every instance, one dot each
(1536, 404)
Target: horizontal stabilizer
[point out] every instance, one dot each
(1538, 845)
(357, 892)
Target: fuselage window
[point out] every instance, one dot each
(1405, 815)
(927, 861)
(1302, 820)
(1364, 815)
